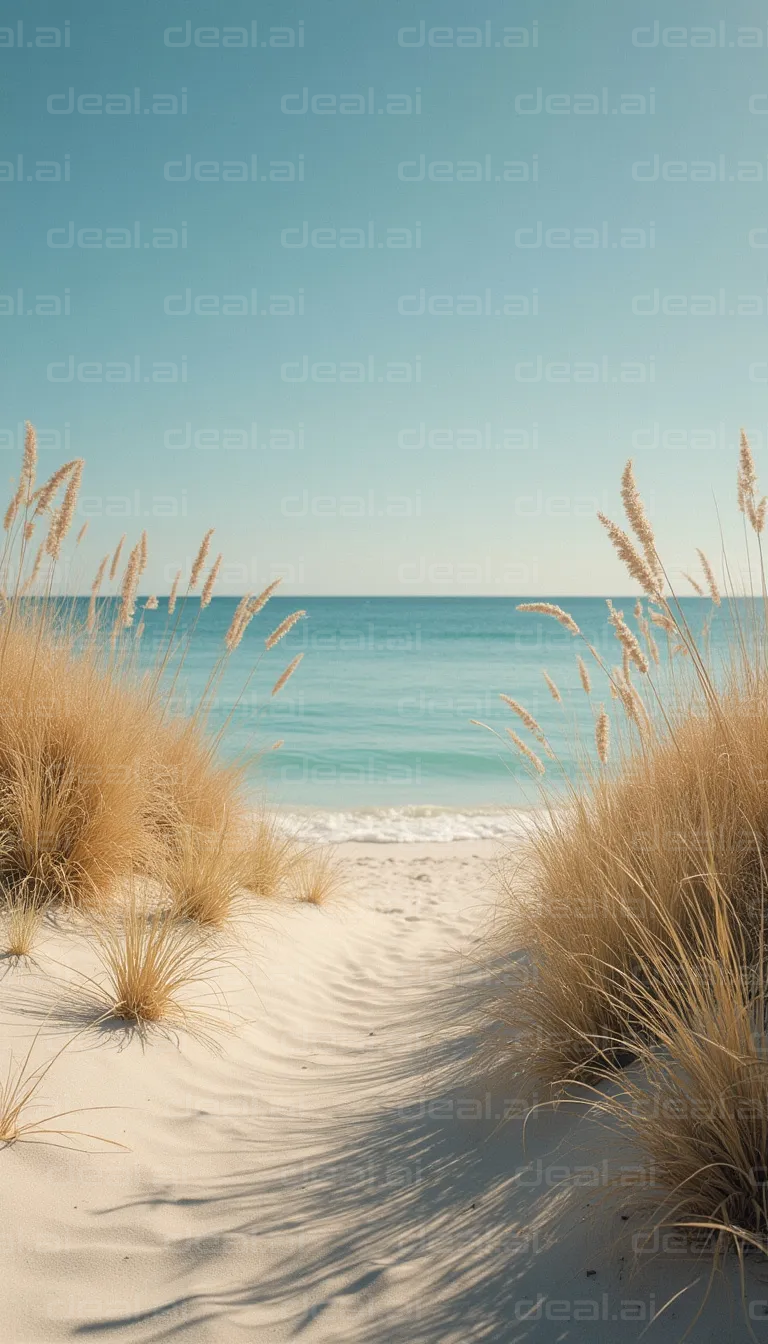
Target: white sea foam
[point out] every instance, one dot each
(408, 825)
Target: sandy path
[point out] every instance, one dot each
(328, 1172)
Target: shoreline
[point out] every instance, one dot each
(409, 824)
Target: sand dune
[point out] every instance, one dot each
(327, 1171)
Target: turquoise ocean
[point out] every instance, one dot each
(377, 742)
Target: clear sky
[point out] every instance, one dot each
(387, 293)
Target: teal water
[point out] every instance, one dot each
(376, 721)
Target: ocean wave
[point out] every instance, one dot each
(408, 825)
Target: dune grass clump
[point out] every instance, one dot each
(22, 918)
(99, 777)
(695, 1102)
(271, 856)
(317, 877)
(207, 876)
(151, 960)
(643, 907)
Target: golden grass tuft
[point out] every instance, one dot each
(694, 1103)
(206, 876)
(150, 962)
(23, 914)
(317, 877)
(271, 857)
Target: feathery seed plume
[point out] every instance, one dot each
(143, 551)
(283, 628)
(65, 515)
(603, 735)
(29, 463)
(48, 489)
(551, 609)
(151, 603)
(173, 592)
(23, 492)
(237, 625)
(263, 597)
(626, 638)
(746, 480)
(53, 526)
(128, 588)
(553, 691)
(666, 622)
(646, 632)
(523, 747)
(213, 574)
(522, 713)
(81, 533)
(632, 702)
(696, 586)
(200, 558)
(638, 519)
(636, 565)
(116, 558)
(584, 675)
(714, 591)
(10, 513)
(95, 586)
(289, 671)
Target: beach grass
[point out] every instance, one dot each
(642, 911)
(99, 778)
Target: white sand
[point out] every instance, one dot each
(321, 1175)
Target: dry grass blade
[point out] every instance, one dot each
(17, 1095)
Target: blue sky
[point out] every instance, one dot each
(480, 257)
